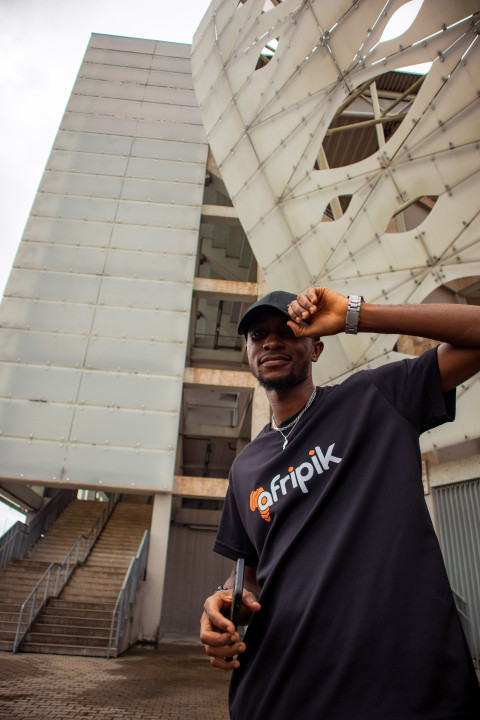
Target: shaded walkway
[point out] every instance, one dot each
(171, 682)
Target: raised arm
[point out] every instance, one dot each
(217, 633)
(457, 327)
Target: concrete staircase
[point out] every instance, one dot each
(20, 576)
(78, 621)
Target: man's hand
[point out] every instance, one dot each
(322, 309)
(218, 633)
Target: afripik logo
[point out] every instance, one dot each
(297, 477)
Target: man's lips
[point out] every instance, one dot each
(274, 360)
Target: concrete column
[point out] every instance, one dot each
(150, 605)
(260, 410)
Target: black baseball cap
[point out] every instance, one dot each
(278, 300)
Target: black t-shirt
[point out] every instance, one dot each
(357, 618)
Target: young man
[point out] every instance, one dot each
(352, 616)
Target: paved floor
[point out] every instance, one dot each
(173, 682)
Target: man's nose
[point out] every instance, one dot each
(272, 339)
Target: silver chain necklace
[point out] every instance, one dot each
(294, 422)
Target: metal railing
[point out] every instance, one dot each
(126, 597)
(18, 540)
(60, 572)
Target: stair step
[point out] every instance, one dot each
(67, 639)
(72, 621)
(97, 570)
(14, 600)
(10, 607)
(110, 599)
(15, 584)
(61, 616)
(41, 630)
(75, 605)
(94, 577)
(60, 649)
(27, 563)
(98, 580)
(8, 625)
(18, 571)
(9, 617)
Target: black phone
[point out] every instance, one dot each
(237, 595)
(237, 592)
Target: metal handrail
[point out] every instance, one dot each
(126, 597)
(18, 540)
(78, 553)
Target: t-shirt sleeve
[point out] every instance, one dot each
(413, 386)
(232, 540)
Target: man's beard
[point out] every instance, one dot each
(285, 383)
(293, 378)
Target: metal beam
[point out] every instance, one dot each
(221, 214)
(199, 486)
(225, 289)
(226, 379)
(455, 471)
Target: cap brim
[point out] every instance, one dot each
(250, 315)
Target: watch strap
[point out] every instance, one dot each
(353, 314)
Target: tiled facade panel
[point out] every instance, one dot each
(94, 325)
(57, 286)
(160, 150)
(64, 161)
(38, 382)
(92, 142)
(44, 315)
(76, 122)
(142, 264)
(113, 104)
(147, 294)
(159, 240)
(144, 391)
(68, 231)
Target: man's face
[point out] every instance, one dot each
(276, 357)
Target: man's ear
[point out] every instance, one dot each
(317, 349)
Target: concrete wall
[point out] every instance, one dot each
(95, 320)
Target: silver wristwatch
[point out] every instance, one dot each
(353, 314)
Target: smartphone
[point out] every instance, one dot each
(237, 592)
(237, 595)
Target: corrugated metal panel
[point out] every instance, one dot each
(94, 326)
(193, 572)
(458, 513)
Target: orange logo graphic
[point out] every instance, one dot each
(254, 504)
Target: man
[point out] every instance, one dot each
(352, 616)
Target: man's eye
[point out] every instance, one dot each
(256, 334)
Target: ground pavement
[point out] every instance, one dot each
(172, 682)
